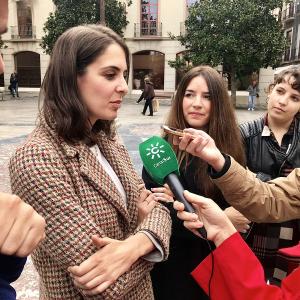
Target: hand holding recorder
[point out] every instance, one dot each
(198, 143)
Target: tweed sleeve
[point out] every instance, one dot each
(158, 224)
(40, 178)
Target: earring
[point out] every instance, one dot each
(267, 99)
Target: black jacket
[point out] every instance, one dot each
(262, 155)
(171, 279)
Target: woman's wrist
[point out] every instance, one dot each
(218, 162)
(224, 234)
(141, 244)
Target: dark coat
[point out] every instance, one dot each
(261, 154)
(171, 279)
(148, 92)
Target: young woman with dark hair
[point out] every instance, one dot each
(273, 150)
(104, 229)
(201, 101)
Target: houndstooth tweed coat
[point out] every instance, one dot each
(70, 189)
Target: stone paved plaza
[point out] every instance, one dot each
(17, 119)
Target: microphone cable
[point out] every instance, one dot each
(212, 266)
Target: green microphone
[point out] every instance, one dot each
(161, 164)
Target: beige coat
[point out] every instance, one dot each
(69, 187)
(275, 201)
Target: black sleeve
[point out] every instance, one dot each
(11, 267)
(214, 174)
(141, 97)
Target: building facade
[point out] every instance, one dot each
(147, 35)
(290, 17)
(22, 51)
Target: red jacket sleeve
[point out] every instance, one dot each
(239, 275)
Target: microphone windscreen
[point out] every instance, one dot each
(158, 158)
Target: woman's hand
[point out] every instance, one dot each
(163, 194)
(22, 228)
(113, 259)
(199, 143)
(145, 203)
(240, 222)
(209, 214)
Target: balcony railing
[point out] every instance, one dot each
(24, 31)
(291, 54)
(151, 29)
(289, 13)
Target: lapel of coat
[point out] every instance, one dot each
(118, 158)
(92, 170)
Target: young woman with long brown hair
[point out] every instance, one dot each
(202, 102)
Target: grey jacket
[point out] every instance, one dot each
(253, 90)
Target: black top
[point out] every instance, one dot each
(171, 279)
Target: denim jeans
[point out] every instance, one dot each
(251, 101)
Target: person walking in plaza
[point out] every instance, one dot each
(148, 94)
(272, 145)
(21, 227)
(253, 90)
(201, 101)
(104, 229)
(14, 84)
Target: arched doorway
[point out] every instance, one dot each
(28, 67)
(148, 63)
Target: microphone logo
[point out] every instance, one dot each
(158, 158)
(155, 150)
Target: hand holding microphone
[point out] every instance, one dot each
(219, 227)
(161, 164)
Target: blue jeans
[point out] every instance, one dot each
(251, 101)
